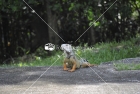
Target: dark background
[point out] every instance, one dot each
(22, 31)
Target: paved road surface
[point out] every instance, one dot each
(103, 79)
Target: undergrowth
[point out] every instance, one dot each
(96, 54)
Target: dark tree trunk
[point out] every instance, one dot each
(5, 27)
(92, 36)
(52, 22)
(1, 42)
(40, 34)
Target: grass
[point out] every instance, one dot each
(122, 66)
(104, 52)
(99, 53)
(57, 58)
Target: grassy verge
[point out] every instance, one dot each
(104, 52)
(122, 66)
(39, 61)
(99, 53)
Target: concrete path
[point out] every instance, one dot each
(103, 79)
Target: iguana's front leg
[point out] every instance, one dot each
(65, 66)
(73, 67)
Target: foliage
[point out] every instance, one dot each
(40, 52)
(97, 54)
(104, 52)
(119, 22)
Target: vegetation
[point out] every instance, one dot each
(130, 66)
(22, 31)
(99, 53)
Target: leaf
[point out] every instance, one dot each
(31, 2)
(71, 6)
(57, 7)
(90, 15)
(96, 24)
(14, 8)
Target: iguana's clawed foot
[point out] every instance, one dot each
(72, 70)
(65, 69)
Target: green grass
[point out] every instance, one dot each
(57, 58)
(122, 66)
(99, 53)
(104, 52)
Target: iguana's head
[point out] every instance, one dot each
(66, 47)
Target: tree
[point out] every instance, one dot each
(22, 31)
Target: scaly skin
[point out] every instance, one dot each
(65, 67)
(73, 68)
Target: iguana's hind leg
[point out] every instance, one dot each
(87, 65)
